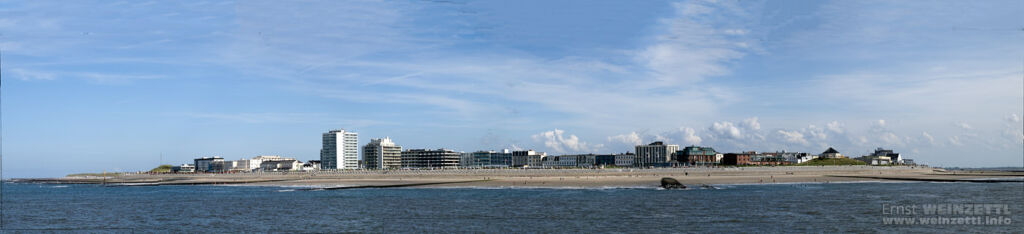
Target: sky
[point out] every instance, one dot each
(92, 86)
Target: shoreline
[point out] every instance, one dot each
(551, 178)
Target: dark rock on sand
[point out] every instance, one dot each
(670, 183)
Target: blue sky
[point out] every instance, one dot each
(111, 85)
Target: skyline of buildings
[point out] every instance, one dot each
(384, 153)
(846, 77)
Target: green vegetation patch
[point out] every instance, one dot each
(162, 169)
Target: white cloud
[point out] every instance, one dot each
(515, 147)
(556, 141)
(964, 126)
(23, 74)
(343, 62)
(1017, 136)
(685, 135)
(663, 138)
(835, 127)
(816, 133)
(690, 137)
(928, 137)
(862, 140)
(631, 139)
(694, 47)
(735, 31)
(955, 140)
(752, 124)
(285, 118)
(1014, 129)
(792, 137)
(891, 139)
(1013, 118)
(726, 129)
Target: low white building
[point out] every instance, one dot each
(311, 165)
(256, 162)
(564, 161)
(875, 160)
(184, 168)
(806, 158)
(559, 161)
(625, 160)
(796, 158)
(281, 165)
(243, 165)
(229, 165)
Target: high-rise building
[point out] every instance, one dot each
(382, 153)
(655, 154)
(340, 150)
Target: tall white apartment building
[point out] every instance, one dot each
(340, 150)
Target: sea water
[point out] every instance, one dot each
(834, 207)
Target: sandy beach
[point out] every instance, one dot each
(552, 178)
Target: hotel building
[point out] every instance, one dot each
(382, 153)
(656, 154)
(423, 158)
(340, 150)
(698, 156)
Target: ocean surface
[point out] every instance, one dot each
(834, 207)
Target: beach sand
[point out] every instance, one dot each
(555, 178)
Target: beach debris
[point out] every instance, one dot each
(670, 183)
